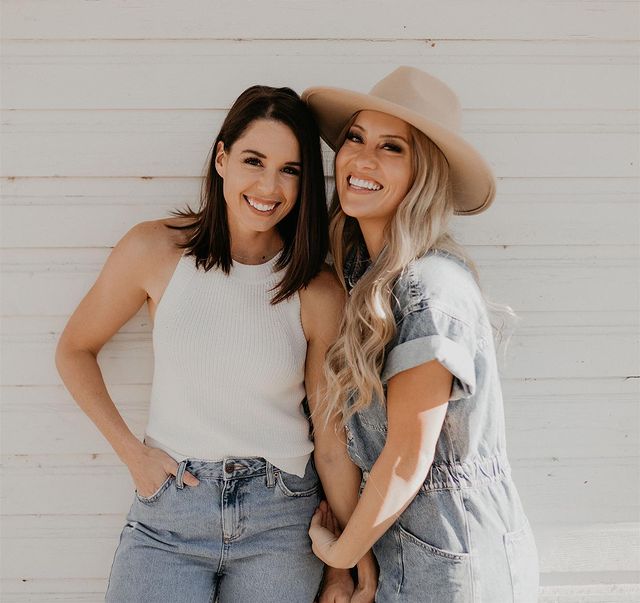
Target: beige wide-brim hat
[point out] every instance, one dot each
(426, 103)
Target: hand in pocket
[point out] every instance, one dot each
(150, 468)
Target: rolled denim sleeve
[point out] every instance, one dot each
(429, 333)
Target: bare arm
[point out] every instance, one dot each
(417, 401)
(119, 292)
(339, 475)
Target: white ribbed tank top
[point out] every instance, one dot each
(228, 377)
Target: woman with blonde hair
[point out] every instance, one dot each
(413, 373)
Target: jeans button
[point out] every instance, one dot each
(229, 466)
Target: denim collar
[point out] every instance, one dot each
(356, 263)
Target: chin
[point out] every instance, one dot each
(355, 212)
(265, 226)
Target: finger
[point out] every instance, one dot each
(190, 479)
(337, 529)
(316, 519)
(316, 550)
(362, 596)
(322, 516)
(333, 522)
(331, 525)
(171, 467)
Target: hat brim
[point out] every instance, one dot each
(472, 181)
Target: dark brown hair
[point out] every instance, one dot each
(304, 230)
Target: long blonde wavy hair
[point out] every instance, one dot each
(354, 363)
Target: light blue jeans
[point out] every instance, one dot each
(238, 537)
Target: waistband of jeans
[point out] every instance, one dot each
(466, 474)
(229, 468)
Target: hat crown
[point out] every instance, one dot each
(422, 93)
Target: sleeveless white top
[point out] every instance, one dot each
(228, 376)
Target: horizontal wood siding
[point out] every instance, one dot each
(109, 112)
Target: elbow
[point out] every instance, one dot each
(325, 457)
(330, 457)
(60, 355)
(66, 352)
(330, 451)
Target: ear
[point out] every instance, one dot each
(221, 159)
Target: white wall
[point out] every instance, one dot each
(109, 111)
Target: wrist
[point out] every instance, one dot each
(367, 569)
(335, 577)
(335, 572)
(341, 557)
(129, 449)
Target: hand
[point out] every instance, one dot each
(150, 467)
(324, 533)
(337, 586)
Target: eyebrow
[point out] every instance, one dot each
(383, 135)
(263, 156)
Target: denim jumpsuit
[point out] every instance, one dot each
(464, 538)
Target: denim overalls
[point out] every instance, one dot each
(465, 537)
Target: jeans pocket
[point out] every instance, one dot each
(294, 486)
(522, 557)
(157, 494)
(430, 573)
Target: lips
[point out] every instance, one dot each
(363, 184)
(264, 206)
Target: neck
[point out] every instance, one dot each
(254, 247)
(373, 234)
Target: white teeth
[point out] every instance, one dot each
(372, 186)
(260, 206)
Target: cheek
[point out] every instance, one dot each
(340, 164)
(404, 180)
(231, 181)
(227, 191)
(292, 190)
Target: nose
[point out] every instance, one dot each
(269, 181)
(365, 158)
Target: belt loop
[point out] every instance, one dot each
(271, 477)
(180, 474)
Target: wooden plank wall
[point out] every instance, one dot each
(110, 108)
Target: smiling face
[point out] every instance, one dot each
(374, 167)
(261, 175)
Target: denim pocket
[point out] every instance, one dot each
(522, 557)
(157, 494)
(433, 574)
(293, 485)
(429, 548)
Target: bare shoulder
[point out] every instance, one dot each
(148, 253)
(322, 304)
(150, 244)
(153, 236)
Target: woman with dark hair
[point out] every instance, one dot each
(243, 311)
